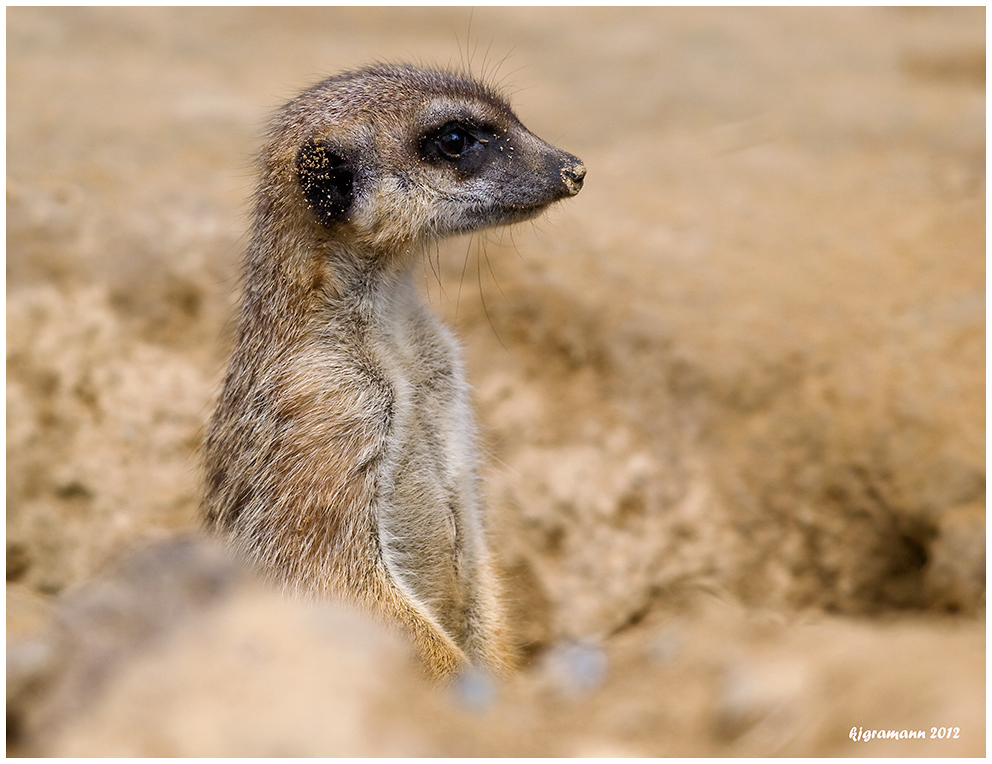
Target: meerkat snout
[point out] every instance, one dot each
(341, 457)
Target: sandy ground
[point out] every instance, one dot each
(732, 394)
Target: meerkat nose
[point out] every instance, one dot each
(572, 176)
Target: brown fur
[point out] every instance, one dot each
(340, 459)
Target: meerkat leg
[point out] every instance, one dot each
(487, 640)
(359, 573)
(437, 650)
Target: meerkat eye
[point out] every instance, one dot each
(455, 143)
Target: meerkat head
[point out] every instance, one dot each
(392, 156)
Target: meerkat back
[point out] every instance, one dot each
(340, 460)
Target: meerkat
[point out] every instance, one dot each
(341, 458)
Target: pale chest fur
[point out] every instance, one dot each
(427, 494)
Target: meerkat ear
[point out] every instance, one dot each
(327, 180)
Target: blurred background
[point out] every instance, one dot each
(732, 395)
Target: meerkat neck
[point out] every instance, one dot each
(310, 276)
(372, 286)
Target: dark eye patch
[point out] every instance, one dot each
(459, 144)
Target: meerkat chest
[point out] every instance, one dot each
(431, 417)
(429, 495)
